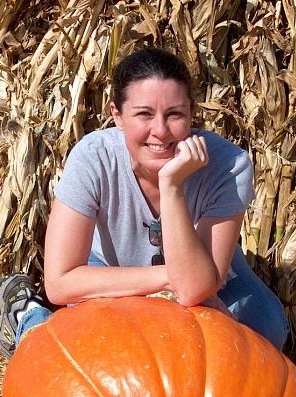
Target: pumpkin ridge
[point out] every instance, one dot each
(265, 354)
(254, 349)
(74, 363)
(148, 345)
(109, 308)
(161, 305)
(290, 385)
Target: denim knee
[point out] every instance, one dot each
(30, 319)
(256, 306)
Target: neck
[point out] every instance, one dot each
(150, 191)
(144, 175)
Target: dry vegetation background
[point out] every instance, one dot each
(56, 59)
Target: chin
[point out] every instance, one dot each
(158, 164)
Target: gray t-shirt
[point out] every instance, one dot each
(98, 181)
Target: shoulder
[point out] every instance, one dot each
(224, 186)
(222, 152)
(101, 139)
(103, 146)
(216, 143)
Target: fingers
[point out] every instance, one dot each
(201, 145)
(196, 148)
(190, 155)
(202, 148)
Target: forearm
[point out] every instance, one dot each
(191, 270)
(86, 282)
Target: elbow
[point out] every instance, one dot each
(54, 298)
(194, 296)
(189, 300)
(54, 294)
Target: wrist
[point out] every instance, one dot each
(166, 185)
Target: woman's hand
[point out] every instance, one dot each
(190, 156)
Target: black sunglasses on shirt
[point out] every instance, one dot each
(155, 238)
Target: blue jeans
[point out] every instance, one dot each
(39, 315)
(30, 319)
(254, 304)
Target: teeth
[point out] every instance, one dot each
(158, 148)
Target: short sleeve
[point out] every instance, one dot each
(78, 187)
(230, 187)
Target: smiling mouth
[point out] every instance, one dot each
(158, 148)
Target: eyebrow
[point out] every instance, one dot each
(150, 108)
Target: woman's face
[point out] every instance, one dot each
(155, 117)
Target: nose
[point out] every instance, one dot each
(160, 127)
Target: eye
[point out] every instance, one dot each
(174, 114)
(144, 114)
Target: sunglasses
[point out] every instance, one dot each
(155, 238)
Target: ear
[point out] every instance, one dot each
(116, 116)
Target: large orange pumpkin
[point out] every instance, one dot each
(140, 347)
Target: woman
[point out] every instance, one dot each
(151, 205)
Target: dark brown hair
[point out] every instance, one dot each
(145, 64)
